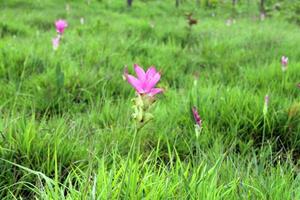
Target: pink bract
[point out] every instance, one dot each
(197, 117)
(284, 60)
(145, 82)
(60, 26)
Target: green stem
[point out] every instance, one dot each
(264, 133)
(284, 80)
(56, 174)
(130, 153)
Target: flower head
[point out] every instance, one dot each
(198, 121)
(284, 63)
(60, 26)
(145, 82)
(197, 117)
(55, 42)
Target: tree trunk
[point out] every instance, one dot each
(262, 10)
(234, 8)
(177, 3)
(233, 2)
(262, 6)
(129, 3)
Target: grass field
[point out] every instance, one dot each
(66, 116)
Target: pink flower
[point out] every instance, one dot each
(145, 81)
(284, 63)
(197, 117)
(55, 42)
(60, 26)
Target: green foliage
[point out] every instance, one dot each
(210, 3)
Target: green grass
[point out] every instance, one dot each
(65, 116)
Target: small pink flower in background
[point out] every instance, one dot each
(198, 121)
(68, 8)
(262, 16)
(284, 63)
(55, 42)
(60, 26)
(267, 99)
(81, 20)
(230, 21)
(152, 25)
(197, 117)
(266, 105)
(145, 82)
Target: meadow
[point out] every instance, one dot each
(67, 129)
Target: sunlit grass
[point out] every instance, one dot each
(66, 128)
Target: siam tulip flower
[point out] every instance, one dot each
(284, 63)
(60, 26)
(145, 82)
(196, 116)
(198, 121)
(55, 43)
(144, 85)
(266, 105)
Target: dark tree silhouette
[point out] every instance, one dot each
(234, 2)
(233, 8)
(177, 3)
(262, 9)
(262, 6)
(129, 3)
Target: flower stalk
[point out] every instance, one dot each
(144, 85)
(265, 112)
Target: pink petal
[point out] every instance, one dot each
(135, 83)
(61, 25)
(140, 72)
(150, 72)
(152, 81)
(196, 116)
(155, 91)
